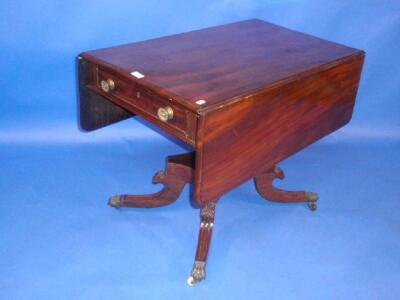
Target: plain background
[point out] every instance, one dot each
(59, 239)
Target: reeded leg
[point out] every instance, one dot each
(206, 226)
(179, 171)
(266, 189)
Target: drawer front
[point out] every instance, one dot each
(163, 112)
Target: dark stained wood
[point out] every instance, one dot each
(220, 63)
(207, 215)
(268, 91)
(240, 140)
(265, 188)
(178, 172)
(146, 103)
(95, 111)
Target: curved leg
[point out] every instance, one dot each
(206, 226)
(266, 189)
(179, 171)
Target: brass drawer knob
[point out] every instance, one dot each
(107, 85)
(165, 113)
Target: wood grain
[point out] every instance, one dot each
(95, 111)
(243, 139)
(178, 172)
(268, 92)
(219, 63)
(266, 189)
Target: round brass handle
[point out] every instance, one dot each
(165, 113)
(107, 85)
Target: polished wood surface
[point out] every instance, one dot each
(99, 108)
(266, 189)
(207, 215)
(178, 172)
(95, 111)
(220, 63)
(266, 93)
(243, 139)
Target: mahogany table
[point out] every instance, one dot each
(244, 95)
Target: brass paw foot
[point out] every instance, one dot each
(207, 214)
(198, 273)
(115, 201)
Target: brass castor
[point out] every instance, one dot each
(312, 200)
(115, 201)
(198, 273)
(312, 205)
(191, 281)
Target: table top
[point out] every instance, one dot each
(222, 63)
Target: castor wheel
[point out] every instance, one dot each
(191, 281)
(115, 201)
(312, 200)
(312, 205)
